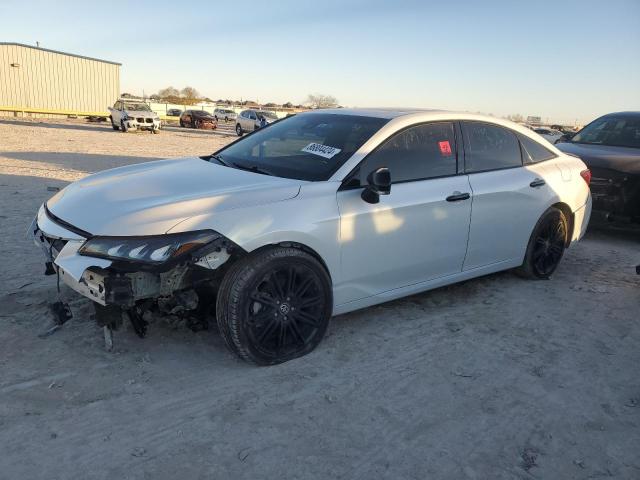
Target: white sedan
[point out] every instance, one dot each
(320, 214)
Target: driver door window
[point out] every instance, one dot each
(416, 153)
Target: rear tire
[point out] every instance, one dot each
(238, 130)
(546, 246)
(274, 305)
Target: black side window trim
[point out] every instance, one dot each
(456, 141)
(523, 149)
(513, 132)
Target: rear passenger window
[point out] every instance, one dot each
(489, 147)
(420, 152)
(533, 152)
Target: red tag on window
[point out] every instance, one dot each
(445, 148)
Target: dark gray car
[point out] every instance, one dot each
(610, 147)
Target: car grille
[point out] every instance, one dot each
(149, 120)
(600, 184)
(605, 181)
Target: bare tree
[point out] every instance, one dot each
(516, 117)
(168, 92)
(320, 100)
(190, 95)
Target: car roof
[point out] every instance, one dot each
(409, 116)
(387, 113)
(625, 114)
(418, 115)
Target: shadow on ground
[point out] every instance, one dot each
(106, 126)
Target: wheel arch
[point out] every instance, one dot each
(299, 246)
(568, 213)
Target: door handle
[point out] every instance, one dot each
(538, 182)
(457, 196)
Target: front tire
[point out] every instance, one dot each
(546, 245)
(274, 305)
(238, 130)
(123, 126)
(113, 125)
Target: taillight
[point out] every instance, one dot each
(586, 175)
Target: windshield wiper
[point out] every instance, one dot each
(219, 159)
(251, 168)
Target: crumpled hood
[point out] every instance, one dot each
(622, 159)
(150, 198)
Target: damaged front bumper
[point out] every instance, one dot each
(110, 282)
(142, 123)
(616, 195)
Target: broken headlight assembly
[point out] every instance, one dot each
(153, 249)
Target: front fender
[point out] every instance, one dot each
(311, 219)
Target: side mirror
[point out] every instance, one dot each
(379, 183)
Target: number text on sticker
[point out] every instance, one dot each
(322, 150)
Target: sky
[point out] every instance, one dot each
(568, 60)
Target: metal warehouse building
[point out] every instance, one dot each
(37, 81)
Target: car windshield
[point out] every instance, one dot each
(305, 147)
(137, 106)
(615, 131)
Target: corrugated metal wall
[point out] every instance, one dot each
(55, 81)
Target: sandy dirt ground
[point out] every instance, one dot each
(494, 378)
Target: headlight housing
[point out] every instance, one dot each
(153, 249)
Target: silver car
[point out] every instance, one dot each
(250, 120)
(225, 114)
(320, 214)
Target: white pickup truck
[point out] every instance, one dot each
(133, 115)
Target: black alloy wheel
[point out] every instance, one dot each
(546, 246)
(274, 307)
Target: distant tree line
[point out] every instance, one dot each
(186, 96)
(191, 96)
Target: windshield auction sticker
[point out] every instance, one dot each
(322, 150)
